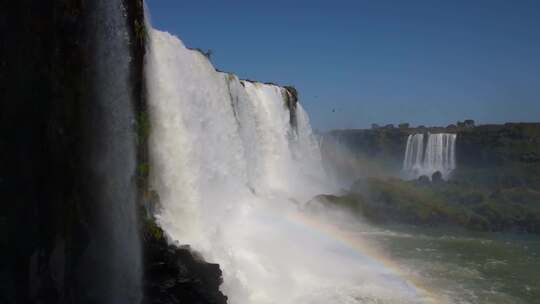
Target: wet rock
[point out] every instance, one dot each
(437, 178)
(423, 180)
(177, 274)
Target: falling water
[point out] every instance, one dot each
(439, 155)
(233, 171)
(414, 153)
(110, 114)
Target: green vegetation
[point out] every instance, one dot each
(413, 202)
(141, 32)
(495, 187)
(151, 230)
(511, 175)
(143, 169)
(142, 127)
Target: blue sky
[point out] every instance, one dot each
(424, 62)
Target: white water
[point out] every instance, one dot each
(114, 251)
(232, 173)
(414, 153)
(439, 155)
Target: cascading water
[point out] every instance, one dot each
(414, 153)
(111, 116)
(232, 173)
(439, 155)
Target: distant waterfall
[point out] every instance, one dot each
(438, 155)
(414, 153)
(232, 171)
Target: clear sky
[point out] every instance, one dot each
(361, 62)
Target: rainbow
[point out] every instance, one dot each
(364, 249)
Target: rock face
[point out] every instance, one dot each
(177, 275)
(47, 224)
(50, 223)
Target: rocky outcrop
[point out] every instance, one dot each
(291, 99)
(177, 274)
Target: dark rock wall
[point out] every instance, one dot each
(177, 275)
(46, 211)
(49, 216)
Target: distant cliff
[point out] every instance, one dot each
(495, 186)
(380, 150)
(497, 145)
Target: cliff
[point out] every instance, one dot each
(486, 146)
(57, 244)
(499, 145)
(47, 211)
(495, 186)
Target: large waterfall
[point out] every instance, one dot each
(233, 168)
(438, 155)
(216, 138)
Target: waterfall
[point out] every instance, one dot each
(438, 155)
(113, 160)
(414, 153)
(232, 170)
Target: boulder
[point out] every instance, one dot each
(437, 178)
(423, 180)
(177, 274)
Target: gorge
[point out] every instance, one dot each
(133, 171)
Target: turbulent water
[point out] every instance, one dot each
(438, 154)
(233, 172)
(462, 266)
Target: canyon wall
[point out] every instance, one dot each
(381, 151)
